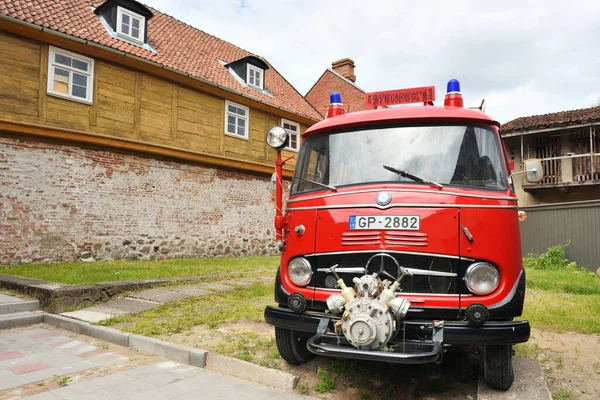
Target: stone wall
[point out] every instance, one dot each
(62, 203)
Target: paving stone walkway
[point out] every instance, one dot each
(167, 380)
(33, 360)
(36, 354)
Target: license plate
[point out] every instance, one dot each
(391, 222)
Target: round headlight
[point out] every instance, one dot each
(300, 271)
(482, 278)
(277, 137)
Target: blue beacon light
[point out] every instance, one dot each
(453, 97)
(453, 86)
(336, 107)
(335, 98)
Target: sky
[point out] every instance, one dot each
(522, 57)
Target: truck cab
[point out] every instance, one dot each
(400, 238)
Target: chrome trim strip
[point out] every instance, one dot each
(380, 250)
(400, 293)
(413, 271)
(405, 190)
(428, 272)
(347, 206)
(345, 270)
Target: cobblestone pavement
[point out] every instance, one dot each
(47, 363)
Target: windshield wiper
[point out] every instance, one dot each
(405, 174)
(317, 183)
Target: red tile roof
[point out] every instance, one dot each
(571, 117)
(353, 97)
(178, 45)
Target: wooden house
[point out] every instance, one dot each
(125, 133)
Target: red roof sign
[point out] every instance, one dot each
(423, 94)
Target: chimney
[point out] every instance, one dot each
(345, 67)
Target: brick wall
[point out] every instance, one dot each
(318, 97)
(63, 203)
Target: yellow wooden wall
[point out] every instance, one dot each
(127, 104)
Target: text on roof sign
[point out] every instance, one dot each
(423, 94)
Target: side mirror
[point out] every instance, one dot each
(534, 171)
(277, 137)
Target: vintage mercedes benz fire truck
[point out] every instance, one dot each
(400, 236)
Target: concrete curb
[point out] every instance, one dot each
(21, 319)
(110, 335)
(59, 297)
(251, 372)
(19, 306)
(179, 353)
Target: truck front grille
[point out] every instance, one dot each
(410, 284)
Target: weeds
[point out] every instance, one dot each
(562, 395)
(62, 380)
(326, 382)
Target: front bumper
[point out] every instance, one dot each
(417, 341)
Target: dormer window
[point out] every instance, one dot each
(250, 72)
(255, 77)
(126, 20)
(130, 24)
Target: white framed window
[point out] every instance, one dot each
(70, 75)
(255, 77)
(130, 25)
(236, 120)
(293, 130)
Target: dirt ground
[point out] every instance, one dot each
(456, 378)
(571, 362)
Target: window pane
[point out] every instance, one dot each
(79, 91)
(231, 108)
(61, 75)
(242, 122)
(80, 65)
(135, 23)
(241, 112)
(231, 128)
(125, 28)
(241, 131)
(294, 141)
(231, 119)
(135, 32)
(80, 80)
(64, 60)
(125, 19)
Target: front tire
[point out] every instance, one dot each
(498, 370)
(292, 346)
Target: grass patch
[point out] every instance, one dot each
(106, 271)
(562, 312)
(244, 303)
(574, 281)
(561, 297)
(326, 382)
(250, 347)
(562, 395)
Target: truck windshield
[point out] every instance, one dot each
(455, 155)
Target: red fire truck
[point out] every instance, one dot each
(400, 236)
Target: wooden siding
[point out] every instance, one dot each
(575, 224)
(128, 104)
